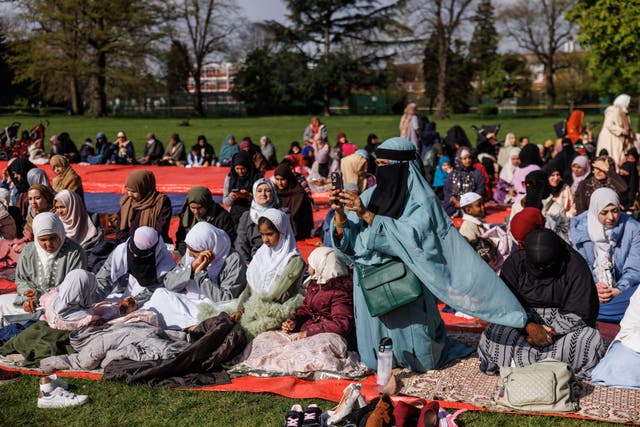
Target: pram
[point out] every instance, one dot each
(8, 139)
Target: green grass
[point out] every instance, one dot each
(281, 129)
(115, 404)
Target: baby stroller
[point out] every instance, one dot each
(8, 139)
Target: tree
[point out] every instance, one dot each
(440, 19)
(178, 68)
(73, 45)
(483, 46)
(208, 24)
(610, 30)
(540, 27)
(506, 76)
(9, 91)
(321, 27)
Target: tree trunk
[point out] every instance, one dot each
(549, 87)
(441, 92)
(197, 102)
(325, 90)
(98, 90)
(76, 99)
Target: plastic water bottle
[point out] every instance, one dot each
(385, 361)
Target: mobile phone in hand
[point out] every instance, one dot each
(336, 182)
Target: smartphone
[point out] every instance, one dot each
(336, 182)
(235, 190)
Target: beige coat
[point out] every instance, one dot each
(616, 124)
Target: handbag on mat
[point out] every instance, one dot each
(387, 286)
(546, 386)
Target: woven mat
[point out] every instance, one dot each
(462, 381)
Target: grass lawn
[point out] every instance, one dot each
(281, 129)
(115, 404)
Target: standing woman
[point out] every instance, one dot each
(410, 125)
(387, 222)
(66, 178)
(293, 197)
(610, 242)
(18, 171)
(199, 206)
(43, 265)
(238, 184)
(616, 134)
(249, 239)
(143, 205)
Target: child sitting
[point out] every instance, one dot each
(195, 159)
(472, 224)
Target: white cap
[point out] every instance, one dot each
(468, 198)
(121, 135)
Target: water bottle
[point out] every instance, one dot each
(385, 361)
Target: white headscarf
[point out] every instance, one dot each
(77, 224)
(582, 161)
(4, 203)
(257, 209)
(599, 235)
(38, 176)
(205, 236)
(43, 224)
(326, 266)
(76, 295)
(623, 101)
(506, 174)
(268, 262)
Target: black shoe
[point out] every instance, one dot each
(7, 377)
(358, 415)
(293, 417)
(311, 416)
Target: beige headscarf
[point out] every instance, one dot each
(77, 224)
(150, 203)
(405, 121)
(326, 266)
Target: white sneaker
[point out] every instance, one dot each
(56, 382)
(60, 398)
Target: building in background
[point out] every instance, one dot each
(217, 82)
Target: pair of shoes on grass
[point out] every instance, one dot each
(296, 417)
(54, 393)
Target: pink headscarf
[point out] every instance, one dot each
(583, 162)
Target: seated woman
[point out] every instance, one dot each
(463, 179)
(560, 191)
(8, 227)
(17, 171)
(40, 200)
(554, 284)
(77, 223)
(602, 176)
(199, 206)
(135, 268)
(274, 277)
(143, 205)
(228, 150)
(293, 197)
(249, 238)
(504, 193)
(238, 184)
(122, 151)
(620, 367)
(610, 242)
(319, 334)
(66, 178)
(38, 176)
(43, 265)
(387, 223)
(207, 281)
(72, 304)
(530, 161)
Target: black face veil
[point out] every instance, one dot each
(390, 194)
(141, 264)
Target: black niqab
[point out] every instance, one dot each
(141, 264)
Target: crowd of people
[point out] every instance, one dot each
(569, 254)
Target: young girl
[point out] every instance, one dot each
(273, 277)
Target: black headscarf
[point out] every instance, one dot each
(550, 274)
(243, 182)
(390, 193)
(555, 191)
(141, 264)
(456, 135)
(537, 188)
(530, 155)
(21, 167)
